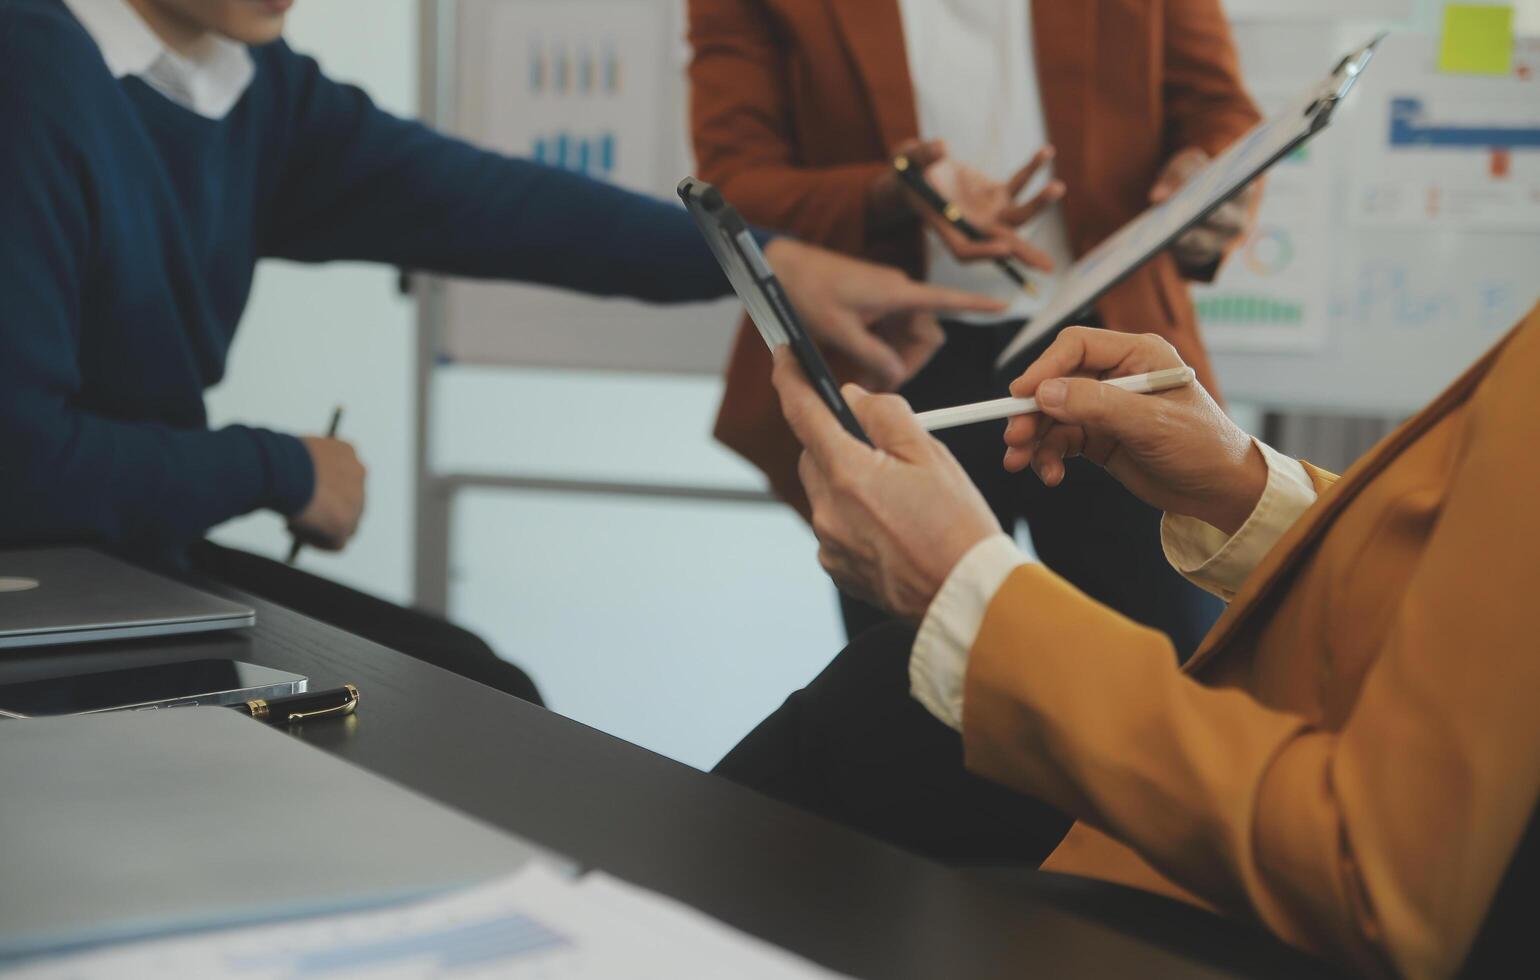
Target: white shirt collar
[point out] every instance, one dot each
(210, 81)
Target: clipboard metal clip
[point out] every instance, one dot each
(1336, 88)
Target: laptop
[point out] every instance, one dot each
(79, 595)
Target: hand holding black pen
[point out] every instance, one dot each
(976, 216)
(329, 520)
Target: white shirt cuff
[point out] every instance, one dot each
(938, 665)
(1219, 563)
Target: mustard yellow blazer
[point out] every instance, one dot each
(1353, 754)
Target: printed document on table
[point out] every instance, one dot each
(537, 924)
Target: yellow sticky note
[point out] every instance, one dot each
(1478, 39)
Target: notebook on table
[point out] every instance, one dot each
(133, 824)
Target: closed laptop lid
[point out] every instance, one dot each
(67, 595)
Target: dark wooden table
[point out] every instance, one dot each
(832, 895)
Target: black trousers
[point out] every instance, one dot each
(1090, 530)
(412, 632)
(853, 746)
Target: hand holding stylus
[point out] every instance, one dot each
(1177, 451)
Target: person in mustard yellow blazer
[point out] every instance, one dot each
(1351, 758)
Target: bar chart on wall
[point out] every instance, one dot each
(597, 88)
(577, 87)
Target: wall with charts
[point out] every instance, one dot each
(1413, 221)
(1411, 225)
(595, 86)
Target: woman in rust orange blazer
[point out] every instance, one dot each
(1351, 759)
(797, 107)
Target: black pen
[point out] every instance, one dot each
(915, 181)
(302, 707)
(331, 433)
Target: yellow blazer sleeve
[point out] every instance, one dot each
(1380, 845)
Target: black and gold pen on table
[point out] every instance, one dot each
(334, 703)
(915, 180)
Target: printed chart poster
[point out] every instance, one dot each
(1441, 151)
(579, 84)
(1271, 295)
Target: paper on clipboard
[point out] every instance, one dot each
(1138, 241)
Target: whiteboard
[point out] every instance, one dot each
(1399, 264)
(596, 86)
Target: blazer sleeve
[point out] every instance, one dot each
(1380, 845)
(740, 120)
(1205, 99)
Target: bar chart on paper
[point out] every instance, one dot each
(591, 155)
(596, 88)
(1246, 310)
(577, 86)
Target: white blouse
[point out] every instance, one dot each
(974, 72)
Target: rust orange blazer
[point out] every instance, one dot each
(795, 105)
(1353, 754)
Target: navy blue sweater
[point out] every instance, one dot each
(129, 231)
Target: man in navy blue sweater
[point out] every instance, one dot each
(151, 151)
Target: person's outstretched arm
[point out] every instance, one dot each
(355, 182)
(68, 470)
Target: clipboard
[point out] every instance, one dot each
(1119, 256)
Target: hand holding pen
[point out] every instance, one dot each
(331, 517)
(976, 216)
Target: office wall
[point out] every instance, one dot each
(314, 337)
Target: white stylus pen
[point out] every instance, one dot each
(1004, 408)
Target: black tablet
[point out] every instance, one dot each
(744, 262)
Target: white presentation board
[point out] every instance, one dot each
(1397, 247)
(596, 86)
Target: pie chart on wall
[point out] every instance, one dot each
(1270, 251)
